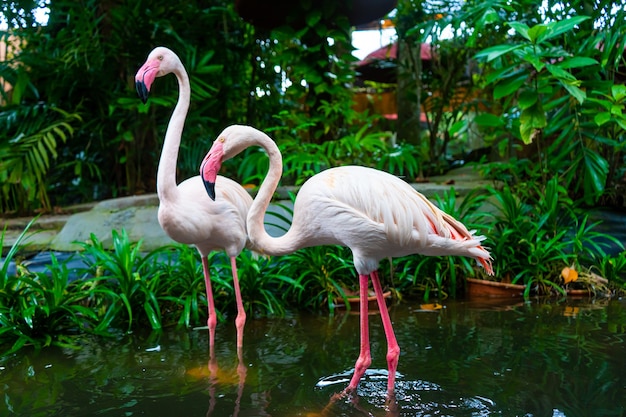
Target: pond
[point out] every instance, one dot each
(459, 358)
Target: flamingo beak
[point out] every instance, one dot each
(211, 165)
(145, 77)
(142, 91)
(209, 185)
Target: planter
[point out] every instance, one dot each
(493, 289)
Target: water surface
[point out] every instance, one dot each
(459, 358)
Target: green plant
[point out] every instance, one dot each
(538, 233)
(128, 279)
(28, 149)
(613, 268)
(315, 58)
(49, 309)
(553, 84)
(41, 309)
(184, 289)
(263, 284)
(322, 274)
(399, 159)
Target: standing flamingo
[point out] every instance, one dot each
(186, 213)
(374, 213)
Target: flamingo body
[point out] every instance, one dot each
(378, 216)
(194, 219)
(186, 213)
(374, 213)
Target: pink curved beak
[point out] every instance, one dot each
(210, 166)
(145, 77)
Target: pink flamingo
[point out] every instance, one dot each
(186, 213)
(374, 213)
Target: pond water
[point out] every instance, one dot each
(459, 358)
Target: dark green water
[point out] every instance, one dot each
(539, 358)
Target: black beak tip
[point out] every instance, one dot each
(210, 189)
(142, 91)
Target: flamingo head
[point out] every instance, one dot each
(161, 61)
(233, 140)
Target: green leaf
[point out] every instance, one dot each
(209, 69)
(617, 109)
(574, 91)
(507, 87)
(596, 169)
(561, 26)
(531, 120)
(526, 99)
(496, 51)
(559, 72)
(618, 91)
(602, 118)
(313, 17)
(488, 120)
(532, 58)
(520, 28)
(535, 33)
(576, 62)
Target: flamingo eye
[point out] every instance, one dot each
(221, 139)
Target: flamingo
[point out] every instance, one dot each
(186, 213)
(374, 213)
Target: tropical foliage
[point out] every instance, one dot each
(532, 239)
(539, 84)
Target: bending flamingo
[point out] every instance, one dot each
(374, 213)
(186, 213)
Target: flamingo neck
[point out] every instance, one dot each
(166, 173)
(256, 228)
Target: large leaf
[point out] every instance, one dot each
(509, 86)
(520, 28)
(488, 120)
(532, 119)
(561, 26)
(596, 169)
(574, 91)
(496, 51)
(577, 62)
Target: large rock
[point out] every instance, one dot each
(137, 215)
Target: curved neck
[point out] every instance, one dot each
(166, 173)
(256, 228)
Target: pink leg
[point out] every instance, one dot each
(393, 350)
(240, 321)
(365, 357)
(212, 320)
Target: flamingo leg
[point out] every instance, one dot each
(240, 321)
(212, 320)
(365, 358)
(241, 372)
(393, 349)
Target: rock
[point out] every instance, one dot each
(137, 215)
